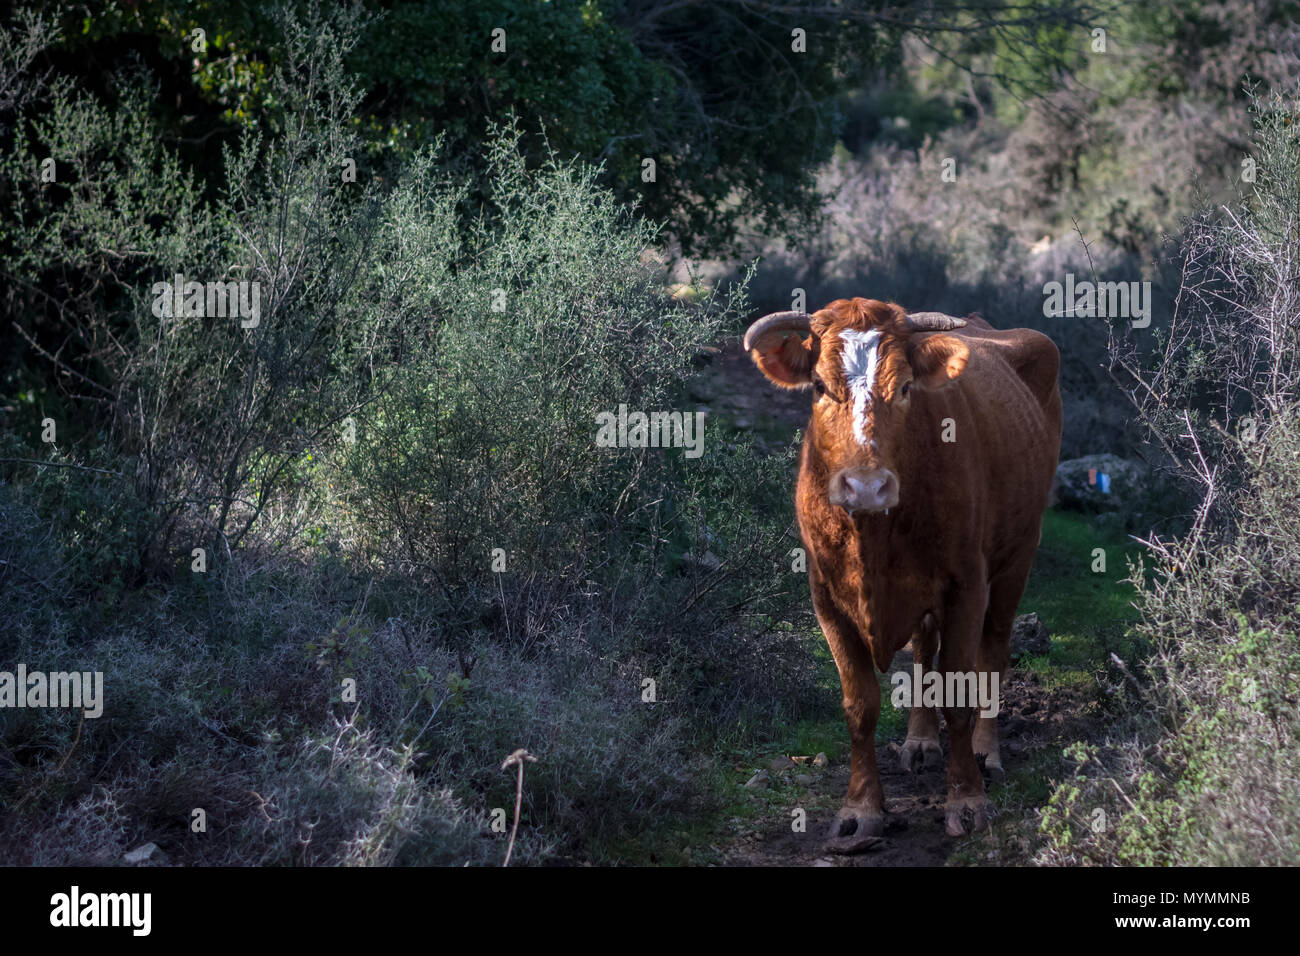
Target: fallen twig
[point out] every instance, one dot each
(518, 758)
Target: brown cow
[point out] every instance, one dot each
(925, 470)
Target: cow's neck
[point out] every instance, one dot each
(895, 588)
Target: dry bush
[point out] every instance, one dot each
(1205, 766)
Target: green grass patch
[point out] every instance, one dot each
(1085, 603)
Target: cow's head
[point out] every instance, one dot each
(864, 360)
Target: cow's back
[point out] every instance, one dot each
(1013, 406)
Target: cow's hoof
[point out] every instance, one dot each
(992, 765)
(855, 830)
(967, 815)
(918, 754)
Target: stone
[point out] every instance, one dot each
(1029, 637)
(1097, 483)
(708, 560)
(148, 853)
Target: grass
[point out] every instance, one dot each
(1086, 612)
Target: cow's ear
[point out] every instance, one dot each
(785, 357)
(937, 359)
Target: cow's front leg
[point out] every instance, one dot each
(958, 654)
(861, 821)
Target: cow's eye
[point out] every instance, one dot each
(819, 387)
(907, 387)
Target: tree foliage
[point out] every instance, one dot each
(735, 101)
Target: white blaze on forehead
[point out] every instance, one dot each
(861, 358)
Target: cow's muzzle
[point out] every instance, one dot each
(864, 489)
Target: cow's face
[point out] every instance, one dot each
(865, 364)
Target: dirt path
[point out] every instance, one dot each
(736, 390)
(1034, 722)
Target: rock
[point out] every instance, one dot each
(803, 779)
(758, 782)
(781, 763)
(705, 355)
(820, 760)
(708, 560)
(1029, 636)
(1079, 483)
(148, 853)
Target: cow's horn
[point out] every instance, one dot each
(932, 322)
(793, 321)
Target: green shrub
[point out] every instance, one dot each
(349, 463)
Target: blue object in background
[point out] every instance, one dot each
(1103, 482)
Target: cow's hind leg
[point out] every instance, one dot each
(1005, 591)
(860, 823)
(962, 625)
(922, 749)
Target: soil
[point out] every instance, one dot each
(733, 388)
(1033, 719)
